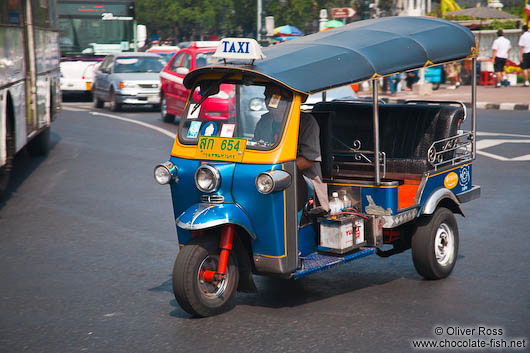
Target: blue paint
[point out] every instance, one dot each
(384, 197)
(464, 183)
(307, 240)
(266, 212)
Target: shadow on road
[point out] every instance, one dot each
(23, 166)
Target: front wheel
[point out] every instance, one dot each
(193, 294)
(435, 244)
(98, 102)
(115, 106)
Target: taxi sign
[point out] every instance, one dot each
(239, 48)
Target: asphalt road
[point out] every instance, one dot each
(87, 244)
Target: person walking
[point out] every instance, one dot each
(524, 44)
(501, 49)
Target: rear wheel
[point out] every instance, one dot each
(194, 295)
(115, 106)
(435, 244)
(168, 118)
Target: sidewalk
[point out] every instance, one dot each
(488, 97)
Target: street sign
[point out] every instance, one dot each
(343, 12)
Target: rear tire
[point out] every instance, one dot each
(114, 105)
(168, 118)
(435, 244)
(195, 296)
(40, 145)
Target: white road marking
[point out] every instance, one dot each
(481, 133)
(72, 109)
(141, 123)
(487, 143)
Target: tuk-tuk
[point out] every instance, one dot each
(396, 173)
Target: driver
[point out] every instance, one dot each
(269, 129)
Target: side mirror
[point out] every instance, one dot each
(182, 70)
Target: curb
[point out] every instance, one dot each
(480, 105)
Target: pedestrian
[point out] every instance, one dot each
(411, 78)
(501, 49)
(524, 44)
(451, 72)
(393, 83)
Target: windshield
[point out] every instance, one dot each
(93, 36)
(256, 113)
(138, 64)
(205, 59)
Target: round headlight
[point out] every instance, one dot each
(162, 175)
(256, 104)
(264, 183)
(207, 178)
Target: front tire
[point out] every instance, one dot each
(435, 244)
(115, 106)
(168, 118)
(193, 294)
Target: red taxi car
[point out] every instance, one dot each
(173, 94)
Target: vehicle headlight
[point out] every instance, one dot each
(207, 178)
(165, 172)
(256, 104)
(125, 84)
(274, 180)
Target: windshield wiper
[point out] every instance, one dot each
(208, 93)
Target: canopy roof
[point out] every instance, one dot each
(356, 52)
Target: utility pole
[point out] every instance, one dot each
(258, 29)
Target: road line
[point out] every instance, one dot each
(141, 123)
(73, 109)
(481, 133)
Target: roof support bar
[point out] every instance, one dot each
(375, 96)
(474, 107)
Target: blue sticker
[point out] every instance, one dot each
(194, 129)
(209, 129)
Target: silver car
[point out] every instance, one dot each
(128, 78)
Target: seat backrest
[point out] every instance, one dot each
(406, 130)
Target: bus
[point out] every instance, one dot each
(29, 78)
(91, 29)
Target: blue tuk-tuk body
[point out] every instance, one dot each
(243, 206)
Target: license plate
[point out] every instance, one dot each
(89, 86)
(220, 149)
(153, 99)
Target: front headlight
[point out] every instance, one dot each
(256, 104)
(274, 180)
(125, 84)
(207, 178)
(165, 172)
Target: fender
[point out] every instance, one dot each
(204, 215)
(441, 195)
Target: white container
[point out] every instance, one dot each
(335, 205)
(336, 236)
(486, 66)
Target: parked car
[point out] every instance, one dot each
(128, 78)
(173, 94)
(165, 51)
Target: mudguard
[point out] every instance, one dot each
(204, 216)
(436, 197)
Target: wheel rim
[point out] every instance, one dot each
(444, 244)
(163, 108)
(215, 289)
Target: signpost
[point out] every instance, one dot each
(342, 12)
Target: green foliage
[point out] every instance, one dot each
(196, 19)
